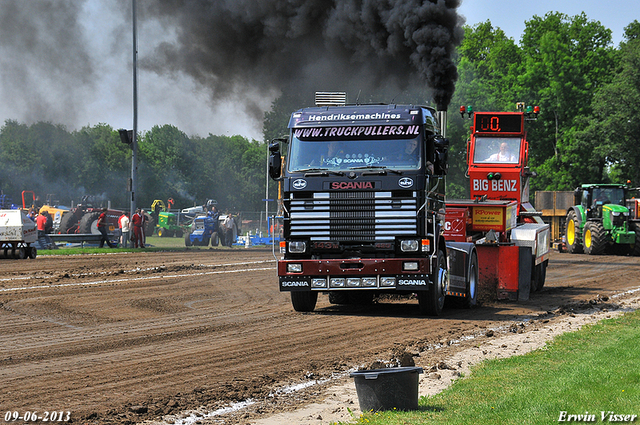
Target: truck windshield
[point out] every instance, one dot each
(497, 150)
(344, 155)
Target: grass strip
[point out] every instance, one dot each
(592, 372)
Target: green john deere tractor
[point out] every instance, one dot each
(599, 221)
(166, 222)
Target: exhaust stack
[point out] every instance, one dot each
(442, 119)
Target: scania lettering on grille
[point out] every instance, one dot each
(351, 185)
(295, 283)
(405, 182)
(412, 282)
(299, 184)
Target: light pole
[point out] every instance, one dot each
(134, 141)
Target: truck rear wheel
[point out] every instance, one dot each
(572, 233)
(304, 301)
(594, 238)
(431, 302)
(471, 298)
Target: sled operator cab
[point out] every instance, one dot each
(511, 238)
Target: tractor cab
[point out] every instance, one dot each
(594, 197)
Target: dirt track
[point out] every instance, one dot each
(123, 338)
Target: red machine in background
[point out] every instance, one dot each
(511, 239)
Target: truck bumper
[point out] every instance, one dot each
(400, 274)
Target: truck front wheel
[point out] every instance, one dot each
(431, 302)
(304, 301)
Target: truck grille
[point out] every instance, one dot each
(353, 216)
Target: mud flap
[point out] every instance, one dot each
(524, 278)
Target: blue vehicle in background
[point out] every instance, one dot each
(204, 229)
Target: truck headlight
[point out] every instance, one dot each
(410, 266)
(297, 247)
(369, 281)
(294, 267)
(409, 245)
(353, 282)
(337, 282)
(388, 281)
(318, 282)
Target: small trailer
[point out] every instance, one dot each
(17, 233)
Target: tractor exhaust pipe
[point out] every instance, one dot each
(442, 119)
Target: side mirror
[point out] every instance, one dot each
(441, 156)
(275, 161)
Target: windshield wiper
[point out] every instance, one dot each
(373, 167)
(321, 171)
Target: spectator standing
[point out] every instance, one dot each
(41, 223)
(137, 222)
(102, 227)
(124, 223)
(145, 219)
(32, 215)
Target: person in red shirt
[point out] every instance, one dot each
(41, 222)
(102, 227)
(137, 222)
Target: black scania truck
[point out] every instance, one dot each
(363, 191)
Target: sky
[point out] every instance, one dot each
(78, 72)
(510, 15)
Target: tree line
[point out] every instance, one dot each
(64, 166)
(587, 132)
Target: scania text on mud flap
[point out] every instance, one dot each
(511, 239)
(362, 201)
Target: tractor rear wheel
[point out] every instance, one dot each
(187, 239)
(635, 247)
(89, 223)
(574, 246)
(68, 223)
(594, 238)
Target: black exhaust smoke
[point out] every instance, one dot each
(236, 46)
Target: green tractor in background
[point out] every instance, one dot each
(599, 221)
(166, 223)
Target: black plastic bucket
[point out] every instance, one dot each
(386, 389)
